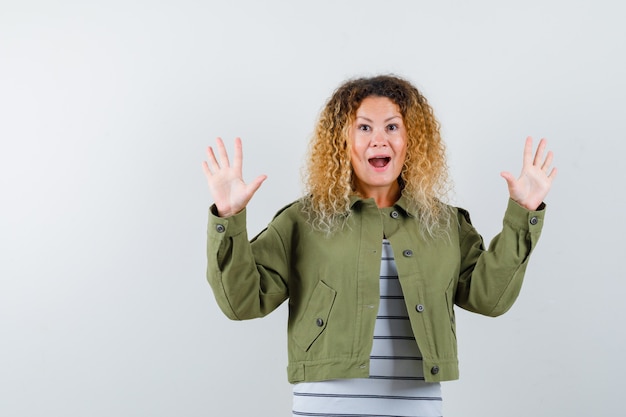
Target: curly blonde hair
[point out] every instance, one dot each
(328, 175)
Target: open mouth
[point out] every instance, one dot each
(379, 162)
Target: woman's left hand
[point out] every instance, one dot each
(533, 184)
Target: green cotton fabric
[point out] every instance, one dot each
(332, 281)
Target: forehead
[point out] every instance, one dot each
(378, 106)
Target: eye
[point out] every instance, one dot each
(364, 128)
(393, 127)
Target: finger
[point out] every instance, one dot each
(205, 168)
(211, 160)
(221, 150)
(547, 162)
(528, 151)
(238, 161)
(539, 154)
(552, 174)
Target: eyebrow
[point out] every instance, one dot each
(371, 121)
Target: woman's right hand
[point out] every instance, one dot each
(230, 193)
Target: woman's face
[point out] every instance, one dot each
(378, 142)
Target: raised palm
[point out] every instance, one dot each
(531, 187)
(226, 185)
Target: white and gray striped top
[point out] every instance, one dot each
(396, 386)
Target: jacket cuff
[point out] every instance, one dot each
(521, 218)
(226, 226)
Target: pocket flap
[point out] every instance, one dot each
(315, 317)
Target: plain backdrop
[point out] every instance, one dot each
(106, 109)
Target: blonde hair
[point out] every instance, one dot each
(329, 175)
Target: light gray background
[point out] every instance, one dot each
(105, 112)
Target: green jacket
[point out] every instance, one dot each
(332, 282)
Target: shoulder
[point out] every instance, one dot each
(295, 207)
(463, 214)
(290, 215)
(460, 220)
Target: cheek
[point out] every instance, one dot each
(354, 156)
(400, 147)
(356, 149)
(401, 153)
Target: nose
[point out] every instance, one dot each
(379, 139)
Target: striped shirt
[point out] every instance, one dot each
(396, 386)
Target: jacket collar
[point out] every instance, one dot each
(401, 204)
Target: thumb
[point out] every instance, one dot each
(508, 177)
(255, 184)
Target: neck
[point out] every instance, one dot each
(384, 197)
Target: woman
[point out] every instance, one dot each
(371, 259)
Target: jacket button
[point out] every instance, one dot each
(319, 322)
(220, 228)
(408, 253)
(395, 214)
(419, 308)
(434, 370)
(534, 220)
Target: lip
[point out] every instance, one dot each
(379, 167)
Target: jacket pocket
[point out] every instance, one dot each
(315, 317)
(450, 304)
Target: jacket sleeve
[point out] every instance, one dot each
(247, 282)
(490, 280)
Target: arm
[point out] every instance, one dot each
(242, 286)
(490, 280)
(248, 280)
